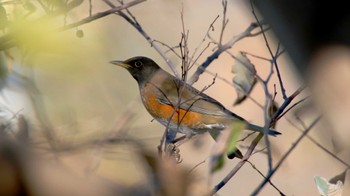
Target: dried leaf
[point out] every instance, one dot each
(244, 79)
(340, 177)
(273, 108)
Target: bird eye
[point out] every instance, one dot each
(138, 64)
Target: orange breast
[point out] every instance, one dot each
(164, 111)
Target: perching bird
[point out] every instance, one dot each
(196, 112)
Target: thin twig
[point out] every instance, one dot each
(291, 107)
(269, 181)
(274, 59)
(285, 104)
(221, 49)
(8, 41)
(197, 165)
(132, 21)
(246, 137)
(210, 28)
(267, 117)
(224, 21)
(169, 47)
(90, 7)
(100, 15)
(321, 146)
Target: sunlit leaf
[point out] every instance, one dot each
(235, 132)
(217, 159)
(225, 144)
(36, 36)
(244, 79)
(29, 6)
(3, 17)
(327, 189)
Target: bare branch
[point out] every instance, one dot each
(100, 15)
(221, 49)
(197, 165)
(247, 155)
(269, 181)
(321, 146)
(285, 104)
(132, 21)
(273, 56)
(193, 62)
(169, 47)
(7, 41)
(291, 107)
(224, 21)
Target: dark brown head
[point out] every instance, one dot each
(141, 68)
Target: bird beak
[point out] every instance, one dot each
(121, 64)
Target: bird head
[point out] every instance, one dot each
(141, 68)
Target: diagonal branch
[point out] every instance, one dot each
(131, 19)
(100, 15)
(8, 41)
(245, 158)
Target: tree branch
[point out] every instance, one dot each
(247, 155)
(221, 49)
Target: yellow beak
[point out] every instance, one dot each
(121, 64)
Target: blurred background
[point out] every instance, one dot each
(59, 87)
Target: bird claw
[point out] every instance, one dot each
(173, 151)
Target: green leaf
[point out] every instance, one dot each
(244, 79)
(217, 162)
(322, 185)
(237, 127)
(328, 189)
(225, 144)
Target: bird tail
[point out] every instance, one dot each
(261, 129)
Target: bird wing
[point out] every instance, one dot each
(188, 98)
